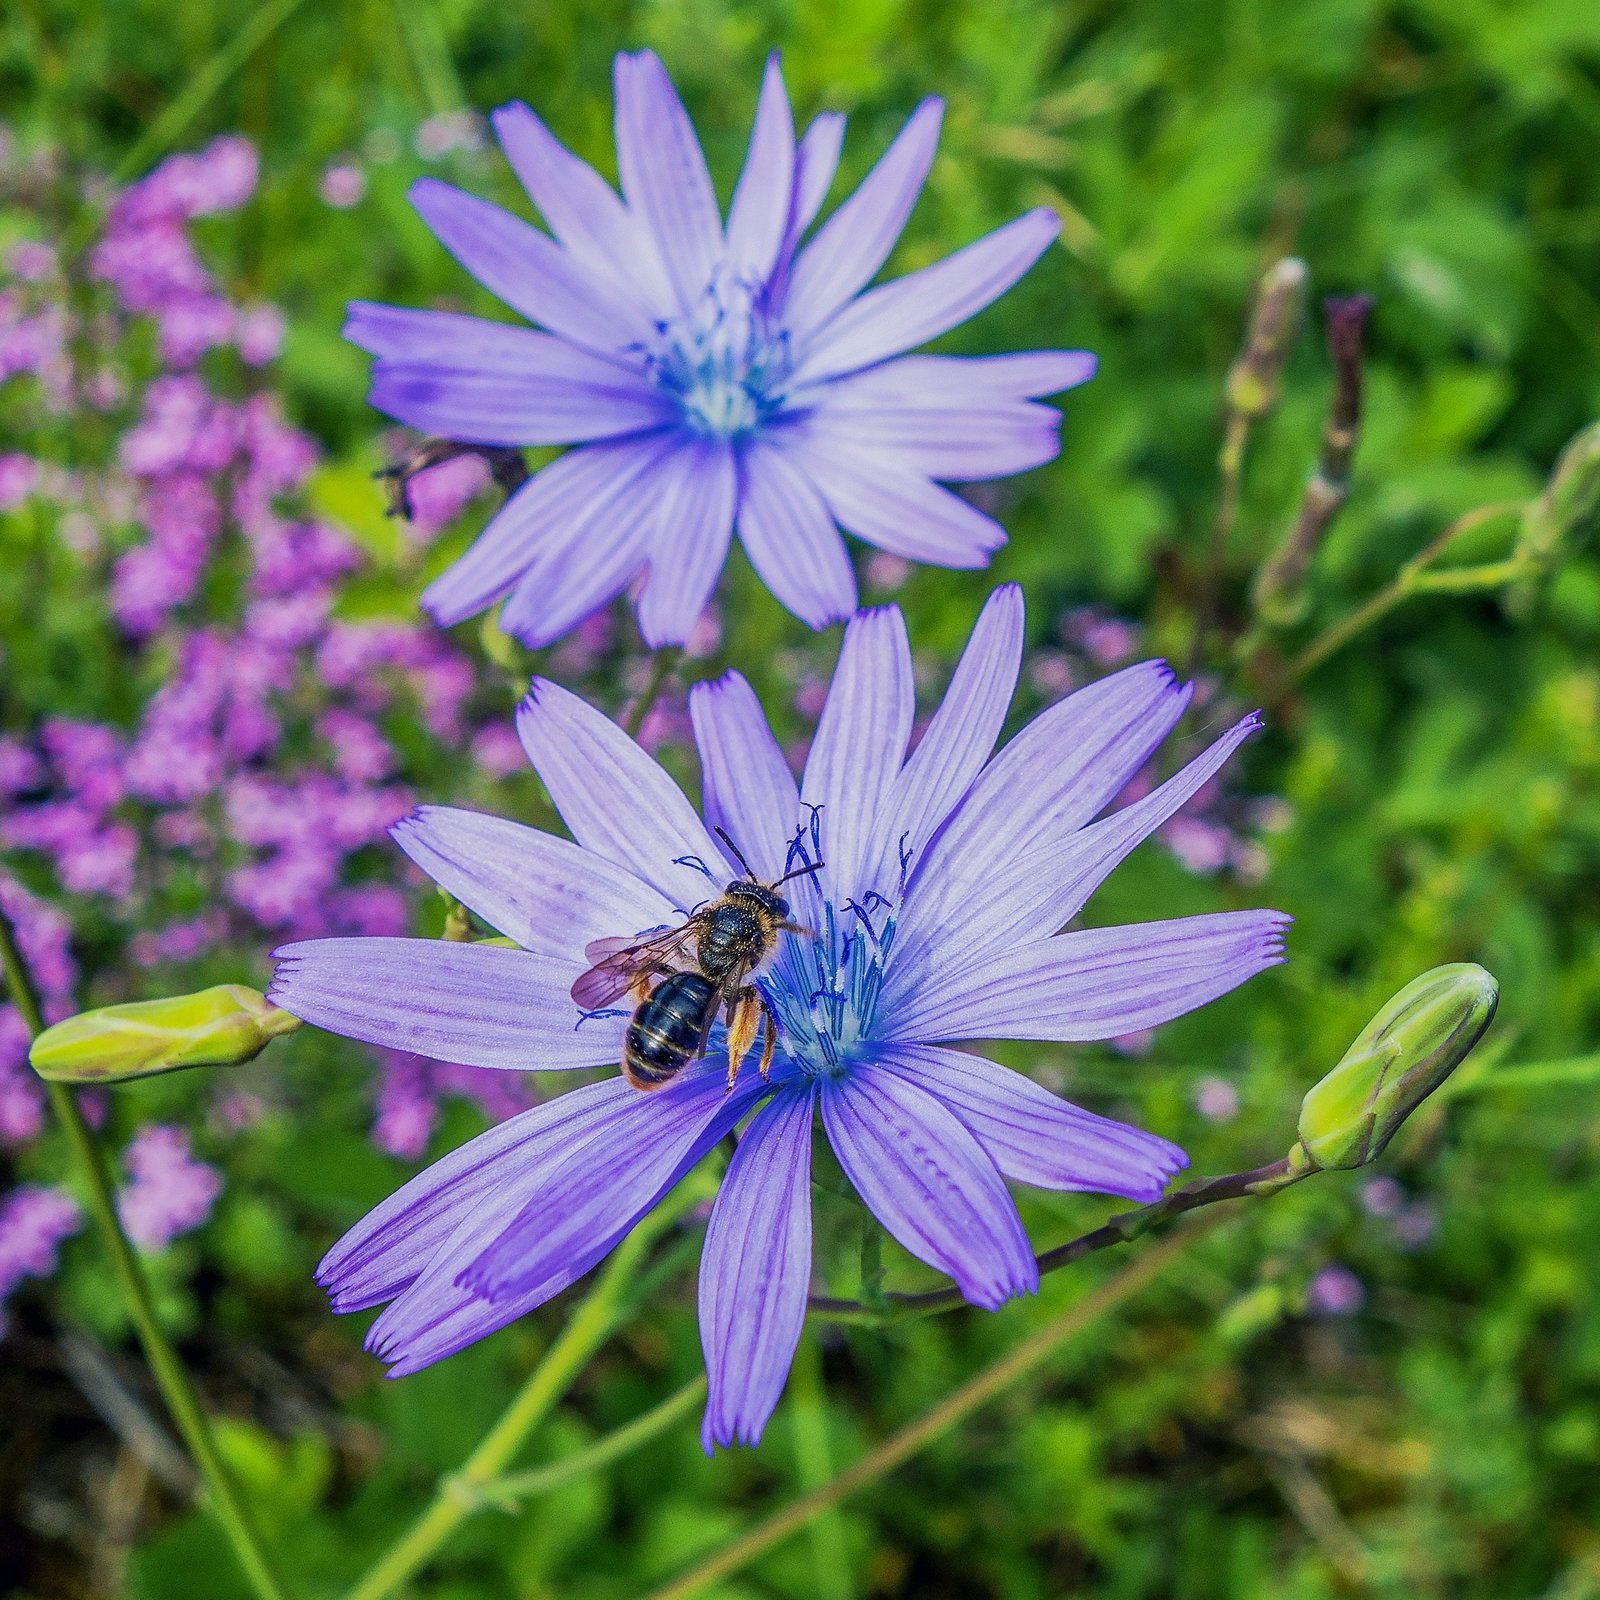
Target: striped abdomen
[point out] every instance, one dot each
(669, 1030)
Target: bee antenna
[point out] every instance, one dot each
(800, 872)
(738, 854)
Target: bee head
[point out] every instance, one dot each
(769, 900)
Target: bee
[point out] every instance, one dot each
(681, 977)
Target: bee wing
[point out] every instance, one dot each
(615, 963)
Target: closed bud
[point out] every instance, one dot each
(1252, 386)
(1404, 1054)
(1568, 508)
(222, 1027)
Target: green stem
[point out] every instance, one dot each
(662, 665)
(959, 1404)
(231, 59)
(1259, 1183)
(515, 1487)
(808, 1420)
(465, 1492)
(221, 1498)
(1412, 579)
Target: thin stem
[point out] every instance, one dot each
(959, 1404)
(1412, 579)
(230, 59)
(1278, 593)
(1249, 393)
(221, 1498)
(463, 1493)
(662, 665)
(1259, 1182)
(515, 1487)
(1230, 471)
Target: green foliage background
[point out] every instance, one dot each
(1212, 1441)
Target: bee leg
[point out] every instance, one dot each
(795, 927)
(769, 1037)
(744, 1017)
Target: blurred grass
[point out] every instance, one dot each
(1442, 778)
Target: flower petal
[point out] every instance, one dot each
(920, 306)
(583, 211)
(550, 895)
(764, 196)
(856, 240)
(1092, 984)
(484, 382)
(746, 783)
(957, 444)
(388, 1249)
(948, 380)
(540, 522)
(755, 1271)
(615, 800)
(593, 556)
(789, 535)
(446, 338)
(861, 742)
(958, 740)
(1059, 771)
(1040, 889)
(664, 176)
(651, 1144)
(438, 1314)
(480, 1005)
(527, 269)
(473, 404)
(1033, 1136)
(816, 160)
(693, 525)
(929, 1182)
(879, 498)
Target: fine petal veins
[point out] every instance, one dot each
(550, 895)
(478, 1005)
(861, 740)
(929, 1182)
(722, 379)
(617, 802)
(748, 788)
(1032, 1136)
(1097, 983)
(755, 1272)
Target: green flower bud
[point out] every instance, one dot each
(1404, 1054)
(1569, 505)
(222, 1027)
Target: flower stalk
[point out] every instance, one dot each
(1279, 590)
(955, 1408)
(1124, 1228)
(221, 1496)
(480, 1480)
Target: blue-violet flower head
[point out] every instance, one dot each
(947, 877)
(712, 375)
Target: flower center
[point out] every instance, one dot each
(725, 362)
(824, 991)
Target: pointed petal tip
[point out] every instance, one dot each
(512, 111)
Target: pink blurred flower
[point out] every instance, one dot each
(170, 1193)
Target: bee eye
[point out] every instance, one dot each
(782, 905)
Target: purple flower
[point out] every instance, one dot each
(947, 875)
(712, 374)
(170, 1192)
(33, 1223)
